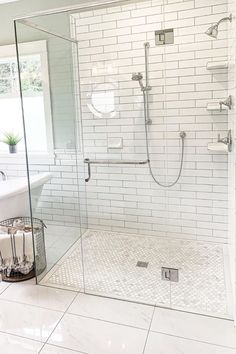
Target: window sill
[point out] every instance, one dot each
(34, 158)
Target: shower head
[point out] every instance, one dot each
(214, 29)
(137, 76)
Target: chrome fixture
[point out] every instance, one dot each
(228, 102)
(139, 77)
(227, 140)
(111, 162)
(148, 121)
(4, 176)
(214, 29)
(170, 274)
(165, 36)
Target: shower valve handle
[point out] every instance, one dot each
(228, 102)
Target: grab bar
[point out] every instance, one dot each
(111, 162)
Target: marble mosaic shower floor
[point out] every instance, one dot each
(110, 269)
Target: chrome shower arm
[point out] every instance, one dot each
(227, 18)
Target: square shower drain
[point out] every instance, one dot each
(142, 264)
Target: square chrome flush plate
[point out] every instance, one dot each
(163, 37)
(170, 274)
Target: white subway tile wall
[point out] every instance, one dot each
(124, 198)
(111, 48)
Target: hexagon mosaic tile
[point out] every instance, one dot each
(109, 268)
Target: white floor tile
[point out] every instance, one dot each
(27, 321)
(15, 345)
(97, 337)
(117, 311)
(41, 296)
(3, 286)
(163, 344)
(202, 328)
(51, 349)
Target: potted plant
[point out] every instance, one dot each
(11, 140)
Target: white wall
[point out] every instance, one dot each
(111, 48)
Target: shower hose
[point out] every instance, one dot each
(182, 136)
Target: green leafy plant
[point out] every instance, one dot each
(11, 139)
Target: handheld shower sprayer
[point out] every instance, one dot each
(138, 77)
(145, 91)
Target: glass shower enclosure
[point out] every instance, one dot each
(137, 205)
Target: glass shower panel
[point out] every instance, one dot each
(125, 247)
(50, 104)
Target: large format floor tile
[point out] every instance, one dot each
(51, 349)
(97, 337)
(16, 345)
(41, 296)
(197, 327)
(163, 344)
(27, 321)
(117, 311)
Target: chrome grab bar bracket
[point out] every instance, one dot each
(89, 170)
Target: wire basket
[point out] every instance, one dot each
(22, 266)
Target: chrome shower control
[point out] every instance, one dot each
(227, 140)
(228, 103)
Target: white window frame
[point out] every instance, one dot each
(40, 48)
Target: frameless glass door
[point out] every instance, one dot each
(50, 105)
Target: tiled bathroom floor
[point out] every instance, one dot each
(37, 319)
(110, 269)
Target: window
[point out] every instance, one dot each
(36, 96)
